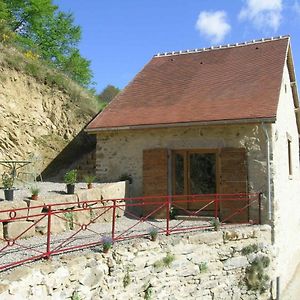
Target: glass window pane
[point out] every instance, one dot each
(179, 174)
(202, 173)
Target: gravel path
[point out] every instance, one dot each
(125, 227)
(47, 189)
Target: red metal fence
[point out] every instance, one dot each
(90, 221)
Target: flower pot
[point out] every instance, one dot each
(70, 188)
(34, 197)
(153, 238)
(105, 250)
(89, 186)
(9, 194)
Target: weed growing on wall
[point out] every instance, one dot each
(249, 249)
(256, 277)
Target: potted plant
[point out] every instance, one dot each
(8, 183)
(34, 192)
(89, 179)
(70, 180)
(107, 243)
(153, 232)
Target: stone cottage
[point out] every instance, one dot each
(223, 120)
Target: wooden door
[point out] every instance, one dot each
(155, 177)
(233, 180)
(194, 172)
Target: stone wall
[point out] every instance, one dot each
(119, 152)
(286, 187)
(12, 228)
(208, 266)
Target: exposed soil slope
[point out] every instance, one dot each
(38, 118)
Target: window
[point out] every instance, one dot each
(290, 157)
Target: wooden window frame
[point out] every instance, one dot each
(186, 153)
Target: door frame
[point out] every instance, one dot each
(185, 153)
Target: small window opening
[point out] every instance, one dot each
(285, 88)
(290, 157)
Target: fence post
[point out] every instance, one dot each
(49, 213)
(168, 205)
(259, 207)
(113, 221)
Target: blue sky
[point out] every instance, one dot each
(119, 37)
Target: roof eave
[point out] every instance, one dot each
(183, 124)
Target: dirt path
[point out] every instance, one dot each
(292, 291)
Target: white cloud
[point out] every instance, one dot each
(296, 7)
(213, 25)
(264, 14)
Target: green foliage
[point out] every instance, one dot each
(249, 249)
(173, 212)
(148, 292)
(38, 26)
(153, 232)
(256, 278)
(107, 243)
(203, 267)
(7, 181)
(70, 218)
(34, 190)
(71, 177)
(75, 296)
(34, 70)
(108, 93)
(216, 224)
(165, 262)
(126, 279)
(89, 179)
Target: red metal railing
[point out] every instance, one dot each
(90, 221)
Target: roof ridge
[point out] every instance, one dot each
(197, 50)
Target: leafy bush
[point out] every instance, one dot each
(216, 223)
(249, 249)
(34, 190)
(165, 262)
(126, 279)
(153, 232)
(203, 267)
(71, 177)
(89, 179)
(7, 181)
(255, 277)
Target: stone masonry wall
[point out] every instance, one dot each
(205, 265)
(286, 187)
(121, 152)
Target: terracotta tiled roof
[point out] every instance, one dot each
(230, 83)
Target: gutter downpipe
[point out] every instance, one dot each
(268, 172)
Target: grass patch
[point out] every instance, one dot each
(165, 262)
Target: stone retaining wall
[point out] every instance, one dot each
(208, 266)
(12, 228)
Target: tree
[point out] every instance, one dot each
(51, 34)
(108, 93)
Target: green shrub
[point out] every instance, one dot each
(255, 277)
(70, 218)
(126, 279)
(249, 249)
(34, 70)
(165, 262)
(203, 267)
(70, 177)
